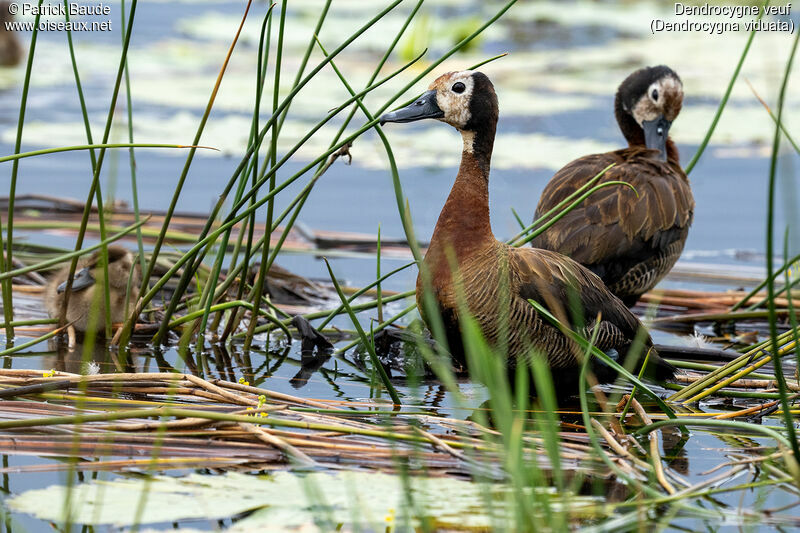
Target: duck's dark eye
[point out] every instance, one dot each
(459, 87)
(655, 95)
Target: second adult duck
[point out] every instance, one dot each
(630, 239)
(472, 271)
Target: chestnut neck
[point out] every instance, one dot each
(464, 223)
(634, 133)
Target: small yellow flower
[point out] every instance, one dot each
(50, 373)
(262, 415)
(242, 381)
(249, 409)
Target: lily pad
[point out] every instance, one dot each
(282, 500)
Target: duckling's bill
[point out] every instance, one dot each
(423, 107)
(82, 280)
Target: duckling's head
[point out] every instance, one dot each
(652, 98)
(466, 100)
(120, 264)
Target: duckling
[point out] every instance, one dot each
(630, 239)
(466, 264)
(10, 49)
(83, 298)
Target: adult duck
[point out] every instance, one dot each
(494, 281)
(631, 239)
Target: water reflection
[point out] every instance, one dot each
(88, 358)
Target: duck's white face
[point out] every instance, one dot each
(466, 100)
(453, 96)
(663, 98)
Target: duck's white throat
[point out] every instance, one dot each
(469, 140)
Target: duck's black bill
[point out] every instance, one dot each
(423, 107)
(655, 135)
(82, 280)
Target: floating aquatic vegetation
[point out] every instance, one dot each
(282, 500)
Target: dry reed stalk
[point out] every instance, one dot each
(279, 443)
(272, 394)
(654, 455)
(129, 464)
(28, 289)
(760, 384)
(722, 478)
(744, 461)
(234, 398)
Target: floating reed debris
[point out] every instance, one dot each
(183, 421)
(163, 421)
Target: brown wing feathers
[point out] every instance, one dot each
(615, 230)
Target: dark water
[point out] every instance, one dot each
(730, 217)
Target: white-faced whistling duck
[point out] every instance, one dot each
(630, 241)
(10, 50)
(87, 289)
(468, 265)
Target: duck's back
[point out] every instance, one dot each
(629, 237)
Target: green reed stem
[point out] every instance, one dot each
(378, 275)
(376, 364)
(716, 382)
(761, 285)
(77, 253)
(34, 342)
(535, 233)
(773, 329)
(206, 237)
(792, 315)
(728, 424)
(183, 283)
(95, 189)
(91, 147)
(602, 356)
(262, 179)
(8, 306)
(261, 278)
(382, 325)
(248, 226)
(724, 101)
(323, 166)
(131, 153)
(561, 205)
(125, 334)
(79, 87)
(229, 305)
(715, 375)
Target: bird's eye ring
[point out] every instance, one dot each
(655, 95)
(459, 87)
